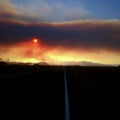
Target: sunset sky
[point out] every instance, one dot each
(65, 30)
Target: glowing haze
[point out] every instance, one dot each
(34, 32)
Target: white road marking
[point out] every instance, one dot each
(67, 112)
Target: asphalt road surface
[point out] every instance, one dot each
(43, 89)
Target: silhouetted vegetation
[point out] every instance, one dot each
(2, 63)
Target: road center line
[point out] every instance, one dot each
(67, 112)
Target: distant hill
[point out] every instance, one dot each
(86, 63)
(27, 63)
(69, 63)
(41, 63)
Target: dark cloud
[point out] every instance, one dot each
(79, 34)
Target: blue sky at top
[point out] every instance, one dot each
(74, 9)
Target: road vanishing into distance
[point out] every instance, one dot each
(59, 93)
(67, 108)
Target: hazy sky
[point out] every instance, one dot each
(67, 30)
(60, 10)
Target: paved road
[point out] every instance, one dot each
(82, 95)
(44, 88)
(67, 108)
(93, 92)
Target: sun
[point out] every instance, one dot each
(35, 40)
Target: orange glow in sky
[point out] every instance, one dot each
(27, 52)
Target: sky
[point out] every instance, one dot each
(66, 30)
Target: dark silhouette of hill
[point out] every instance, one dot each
(66, 63)
(87, 63)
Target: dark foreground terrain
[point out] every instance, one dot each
(93, 91)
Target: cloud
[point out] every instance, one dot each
(41, 11)
(77, 14)
(61, 42)
(9, 11)
(78, 34)
(6, 9)
(64, 31)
